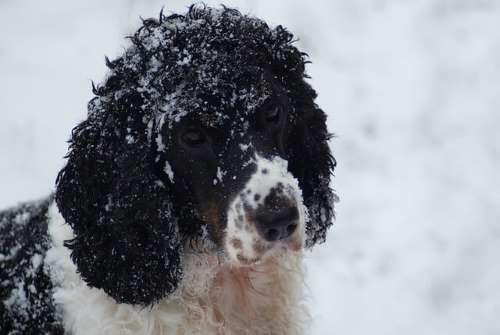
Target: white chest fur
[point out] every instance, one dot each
(212, 298)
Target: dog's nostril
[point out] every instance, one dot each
(272, 234)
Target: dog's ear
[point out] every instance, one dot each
(311, 161)
(126, 235)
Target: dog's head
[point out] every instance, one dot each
(205, 129)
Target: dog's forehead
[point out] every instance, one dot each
(219, 104)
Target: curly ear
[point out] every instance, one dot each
(311, 161)
(126, 235)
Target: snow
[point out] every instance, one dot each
(270, 174)
(12, 254)
(17, 298)
(220, 174)
(168, 170)
(411, 88)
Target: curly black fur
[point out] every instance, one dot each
(126, 222)
(26, 304)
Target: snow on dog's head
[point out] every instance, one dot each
(160, 163)
(267, 216)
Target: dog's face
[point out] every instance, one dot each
(204, 128)
(235, 176)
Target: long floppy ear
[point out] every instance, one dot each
(126, 235)
(311, 161)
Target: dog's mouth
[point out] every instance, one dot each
(260, 250)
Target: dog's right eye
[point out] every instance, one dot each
(194, 137)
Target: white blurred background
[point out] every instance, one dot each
(412, 89)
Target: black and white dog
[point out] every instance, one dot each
(190, 192)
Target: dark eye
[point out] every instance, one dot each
(273, 114)
(194, 137)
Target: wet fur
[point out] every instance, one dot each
(129, 227)
(117, 252)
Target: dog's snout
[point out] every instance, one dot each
(277, 224)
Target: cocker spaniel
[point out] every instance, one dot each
(190, 192)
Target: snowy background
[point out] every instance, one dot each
(412, 89)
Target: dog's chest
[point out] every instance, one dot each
(212, 298)
(265, 299)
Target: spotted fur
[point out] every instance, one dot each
(270, 176)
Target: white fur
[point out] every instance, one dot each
(213, 298)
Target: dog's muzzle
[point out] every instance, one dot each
(277, 218)
(267, 215)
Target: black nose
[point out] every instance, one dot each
(278, 224)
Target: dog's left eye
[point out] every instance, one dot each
(194, 137)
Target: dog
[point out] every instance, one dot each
(190, 192)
